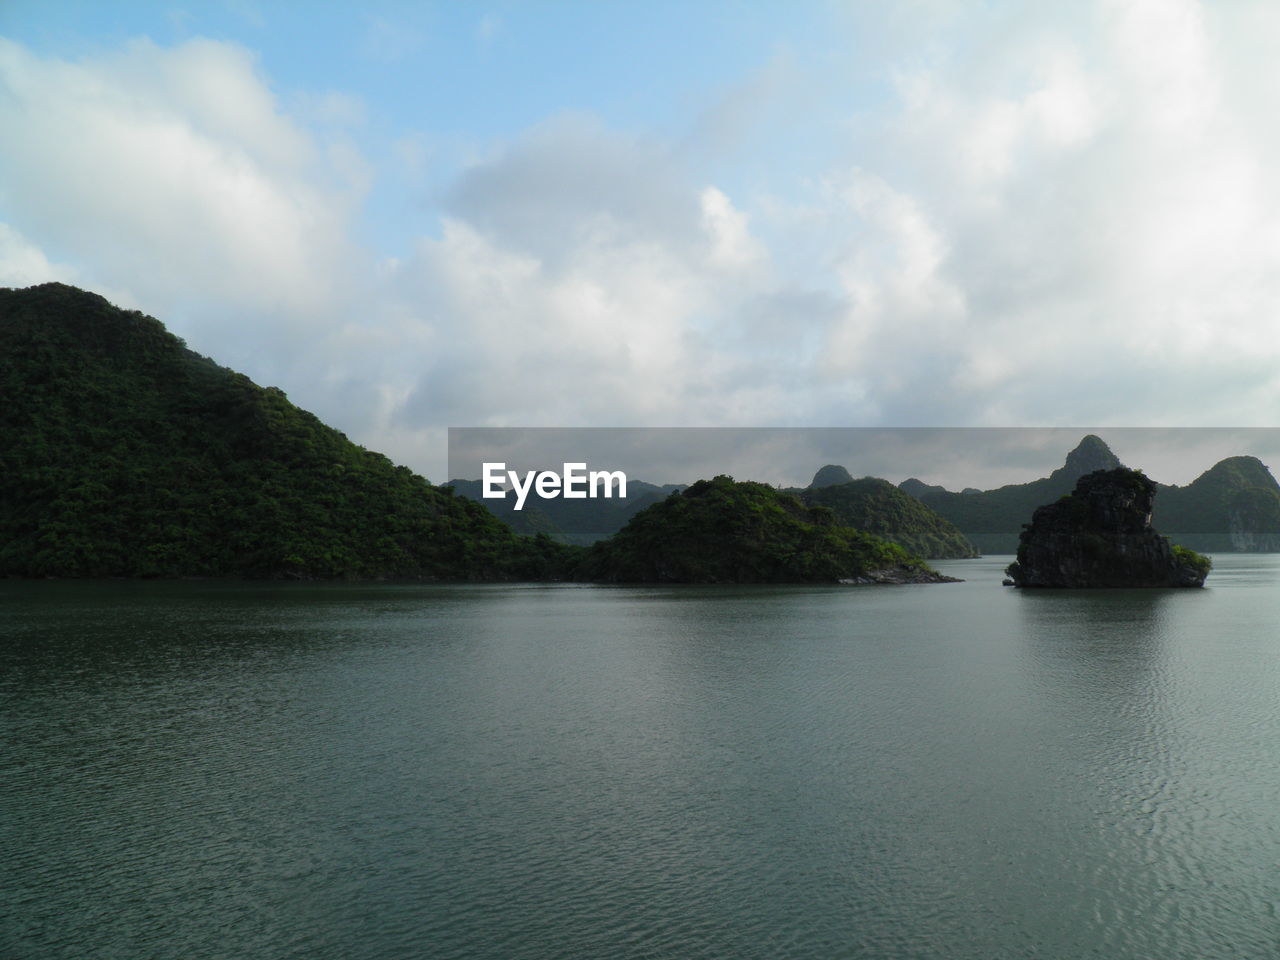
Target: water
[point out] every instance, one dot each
(950, 771)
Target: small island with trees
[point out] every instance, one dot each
(722, 531)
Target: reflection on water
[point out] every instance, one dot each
(958, 771)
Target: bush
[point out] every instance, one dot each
(1196, 561)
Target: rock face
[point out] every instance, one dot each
(1101, 536)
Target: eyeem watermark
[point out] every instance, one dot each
(574, 483)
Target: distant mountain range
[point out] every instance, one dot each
(1233, 506)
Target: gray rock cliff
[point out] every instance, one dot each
(1100, 535)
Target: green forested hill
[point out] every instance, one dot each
(722, 531)
(878, 507)
(1234, 505)
(122, 453)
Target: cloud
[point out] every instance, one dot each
(23, 264)
(1087, 233)
(171, 173)
(732, 245)
(748, 108)
(571, 177)
(596, 284)
(1051, 222)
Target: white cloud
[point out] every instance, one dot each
(171, 172)
(22, 264)
(1101, 231)
(1051, 225)
(732, 245)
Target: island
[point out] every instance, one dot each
(726, 531)
(1100, 535)
(877, 506)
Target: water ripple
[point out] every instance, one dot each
(955, 772)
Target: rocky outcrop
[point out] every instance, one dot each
(1101, 536)
(900, 575)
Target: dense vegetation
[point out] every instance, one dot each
(122, 453)
(1196, 561)
(1233, 505)
(878, 507)
(722, 531)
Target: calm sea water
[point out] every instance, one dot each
(952, 771)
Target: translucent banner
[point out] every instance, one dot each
(1216, 488)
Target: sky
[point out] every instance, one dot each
(416, 216)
